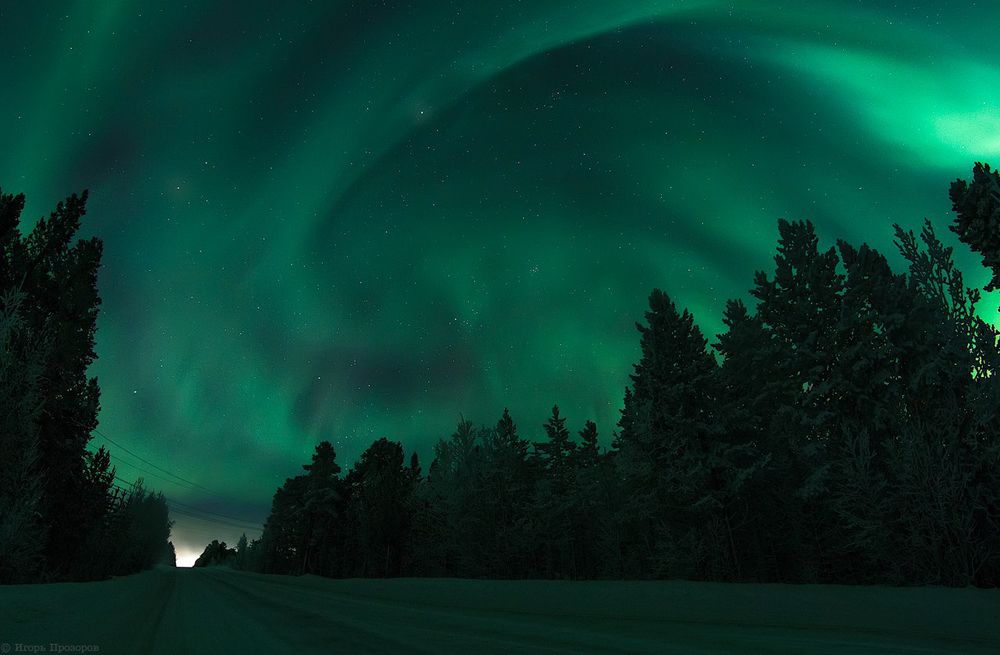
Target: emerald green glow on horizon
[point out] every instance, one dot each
(341, 221)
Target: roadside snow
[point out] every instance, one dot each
(222, 611)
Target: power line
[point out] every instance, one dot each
(130, 484)
(198, 509)
(149, 463)
(213, 521)
(150, 473)
(207, 533)
(215, 528)
(192, 515)
(189, 510)
(211, 530)
(171, 501)
(174, 505)
(207, 520)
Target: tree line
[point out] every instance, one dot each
(843, 430)
(62, 515)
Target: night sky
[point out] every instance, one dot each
(348, 220)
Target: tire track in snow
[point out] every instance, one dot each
(148, 624)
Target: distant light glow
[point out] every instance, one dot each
(186, 556)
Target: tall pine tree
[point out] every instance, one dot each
(55, 278)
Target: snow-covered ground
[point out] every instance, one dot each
(222, 611)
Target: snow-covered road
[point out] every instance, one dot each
(221, 611)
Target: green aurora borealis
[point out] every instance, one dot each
(343, 221)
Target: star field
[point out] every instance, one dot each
(351, 220)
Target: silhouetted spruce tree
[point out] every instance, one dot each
(455, 484)
(321, 512)
(800, 305)
(283, 540)
(138, 532)
(254, 560)
(556, 452)
(667, 429)
(380, 490)
(170, 555)
(59, 280)
(305, 531)
(216, 554)
(22, 530)
(506, 494)
(430, 529)
(93, 547)
(587, 453)
(414, 471)
(947, 454)
(590, 516)
(56, 495)
(553, 500)
(977, 220)
(751, 392)
(410, 549)
(850, 434)
(866, 398)
(877, 311)
(241, 560)
(750, 386)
